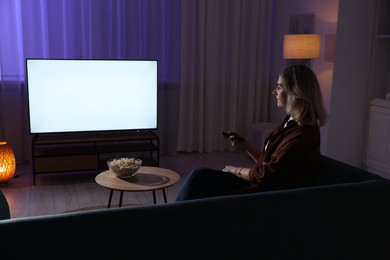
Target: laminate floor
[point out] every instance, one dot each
(73, 191)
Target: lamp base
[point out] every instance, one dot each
(303, 61)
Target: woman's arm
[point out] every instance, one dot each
(239, 141)
(252, 150)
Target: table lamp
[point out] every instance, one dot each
(7, 162)
(301, 47)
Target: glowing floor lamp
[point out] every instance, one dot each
(301, 47)
(7, 162)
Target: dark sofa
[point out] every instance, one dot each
(345, 214)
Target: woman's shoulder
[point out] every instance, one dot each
(310, 126)
(305, 129)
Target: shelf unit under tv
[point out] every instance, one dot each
(89, 151)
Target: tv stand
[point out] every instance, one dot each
(90, 151)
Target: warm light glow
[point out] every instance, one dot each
(330, 47)
(7, 162)
(301, 46)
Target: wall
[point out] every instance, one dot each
(351, 84)
(326, 14)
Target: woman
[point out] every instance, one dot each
(291, 153)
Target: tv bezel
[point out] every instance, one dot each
(89, 131)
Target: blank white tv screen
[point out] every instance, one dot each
(91, 95)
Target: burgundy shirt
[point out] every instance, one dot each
(291, 157)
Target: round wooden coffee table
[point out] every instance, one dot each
(148, 178)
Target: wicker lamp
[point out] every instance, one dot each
(7, 162)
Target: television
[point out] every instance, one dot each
(79, 95)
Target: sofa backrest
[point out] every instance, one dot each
(340, 221)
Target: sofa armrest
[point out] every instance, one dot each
(4, 207)
(333, 172)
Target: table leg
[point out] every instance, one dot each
(154, 197)
(120, 199)
(165, 195)
(109, 199)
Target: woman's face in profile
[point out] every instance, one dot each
(280, 93)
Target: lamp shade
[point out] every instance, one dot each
(7, 162)
(301, 46)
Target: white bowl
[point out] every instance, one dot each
(125, 167)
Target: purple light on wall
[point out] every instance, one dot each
(84, 29)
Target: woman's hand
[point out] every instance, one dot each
(240, 172)
(235, 138)
(239, 141)
(232, 169)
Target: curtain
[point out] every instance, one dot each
(224, 75)
(104, 29)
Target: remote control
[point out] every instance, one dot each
(236, 137)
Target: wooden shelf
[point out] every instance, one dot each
(90, 151)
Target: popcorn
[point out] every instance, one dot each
(124, 166)
(122, 163)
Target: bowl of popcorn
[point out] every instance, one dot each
(124, 167)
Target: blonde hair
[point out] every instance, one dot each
(304, 97)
